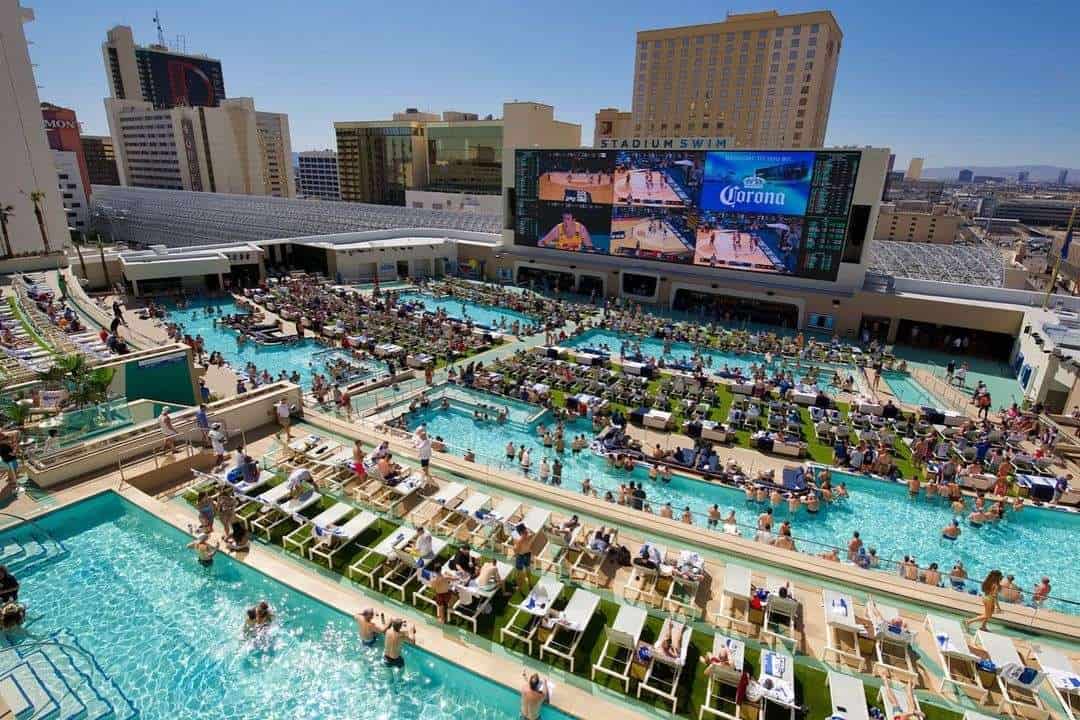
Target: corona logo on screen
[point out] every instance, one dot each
(752, 191)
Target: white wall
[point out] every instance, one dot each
(458, 202)
(26, 163)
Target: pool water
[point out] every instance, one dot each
(909, 390)
(124, 617)
(486, 315)
(654, 348)
(303, 357)
(999, 378)
(1031, 544)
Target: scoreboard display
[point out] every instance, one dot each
(780, 212)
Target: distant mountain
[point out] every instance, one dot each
(1038, 172)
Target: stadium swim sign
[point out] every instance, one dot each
(664, 143)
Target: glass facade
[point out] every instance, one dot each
(465, 157)
(377, 164)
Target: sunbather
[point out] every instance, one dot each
(671, 639)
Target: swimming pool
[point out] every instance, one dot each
(487, 315)
(654, 348)
(122, 618)
(909, 390)
(1030, 544)
(305, 357)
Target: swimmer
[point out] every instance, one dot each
(952, 530)
(204, 549)
(369, 631)
(395, 635)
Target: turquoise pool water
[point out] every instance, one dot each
(122, 617)
(1004, 387)
(487, 315)
(306, 357)
(909, 390)
(1031, 544)
(654, 348)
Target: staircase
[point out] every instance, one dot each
(27, 547)
(55, 678)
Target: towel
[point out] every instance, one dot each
(1064, 680)
(775, 665)
(945, 643)
(840, 607)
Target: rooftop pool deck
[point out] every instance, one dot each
(481, 314)
(124, 623)
(1029, 544)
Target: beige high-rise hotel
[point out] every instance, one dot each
(758, 79)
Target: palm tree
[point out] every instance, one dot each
(92, 388)
(38, 198)
(6, 211)
(77, 241)
(104, 267)
(17, 414)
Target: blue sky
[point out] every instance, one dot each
(957, 82)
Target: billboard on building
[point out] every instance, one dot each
(63, 134)
(181, 80)
(781, 212)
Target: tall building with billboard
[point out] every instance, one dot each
(27, 166)
(160, 76)
(317, 175)
(73, 177)
(756, 80)
(380, 161)
(100, 160)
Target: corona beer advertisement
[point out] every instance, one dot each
(780, 212)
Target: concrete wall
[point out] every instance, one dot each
(26, 163)
(237, 156)
(467, 202)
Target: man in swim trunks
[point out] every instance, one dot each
(395, 635)
(523, 542)
(567, 235)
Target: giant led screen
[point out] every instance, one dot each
(781, 212)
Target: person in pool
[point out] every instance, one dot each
(204, 549)
(534, 693)
(952, 530)
(395, 635)
(369, 631)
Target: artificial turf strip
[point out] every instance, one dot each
(810, 681)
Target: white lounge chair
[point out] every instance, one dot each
(663, 672)
(432, 510)
(462, 515)
(275, 516)
(534, 521)
(620, 644)
(472, 601)
(301, 536)
(848, 697)
(1019, 684)
(643, 580)
(525, 621)
(332, 540)
(781, 614)
(367, 566)
(590, 559)
(778, 668)
(1062, 677)
(956, 658)
(681, 597)
(266, 501)
(566, 635)
(893, 643)
(898, 699)
(841, 629)
(735, 593)
(554, 556)
(490, 530)
(404, 567)
(717, 702)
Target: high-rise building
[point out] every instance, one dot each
(1022, 176)
(1063, 177)
(160, 76)
(73, 177)
(378, 161)
(28, 180)
(273, 133)
(317, 175)
(100, 160)
(914, 169)
(965, 176)
(758, 79)
(206, 149)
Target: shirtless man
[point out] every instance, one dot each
(395, 635)
(534, 693)
(523, 543)
(369, 631)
